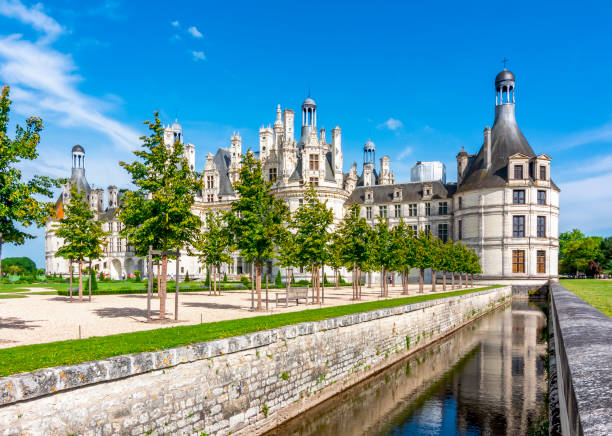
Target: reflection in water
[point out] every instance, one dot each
(487, 378)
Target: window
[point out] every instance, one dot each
(382, 211)
(443, 232)
(460, 229)
(541, 227)
(518, 196)
(443, 208)
(182, 269)
(300, 202)
(398, 210)
(415, 229)
(427, 209)
(272, 174)
(541, 197)
(210, 182)
(542, 172)
(314, 162)
(460, 203)
(118, 244)
(541, 261)
(314, 181)
(518, 261)
(412, 209)
(210, 198)
(518, 172)
(369, 212)
(427, 228)
(518, 226)
(396, 194)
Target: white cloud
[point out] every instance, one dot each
(175, 23)
(194, 32)
(198, 56)
(590, 136)
(33, 16)
(405, 153)
(391, 124)
(586, 204)
(44, 81)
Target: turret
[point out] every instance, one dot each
(189, 153)
(266, 141)
(288, 117)
(278, 128)
(309, 119)
(385, 171)
(112, 197)
(462, 162)
(336, 150)
(173, 133)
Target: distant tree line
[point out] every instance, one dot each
(590, 255)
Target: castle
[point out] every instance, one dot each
(504, 203)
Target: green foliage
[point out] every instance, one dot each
(245, 282)
(137, 277)
(565, 238)
(94, 281)
(213, 244)
(207, 280)
(278, 281)
(284, 376)
(186, 276)
(578, 253)
(24, 263)
(32, 357)
(19, 207)
(356, 236)
(158, 212)
(224, 278)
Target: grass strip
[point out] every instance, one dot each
(4, 296)
(597, 293)
(27, 358)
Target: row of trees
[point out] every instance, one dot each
(158, 214)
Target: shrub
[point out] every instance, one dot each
(94, 282)
(224, 278)
(341, 280)
(325, 281)
(245, 281)
(137, 276)
(278, 281)
(207, 281)
(187, 276)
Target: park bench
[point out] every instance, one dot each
(291, 294)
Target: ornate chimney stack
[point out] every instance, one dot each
(487, 147)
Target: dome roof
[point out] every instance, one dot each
(504, 75)
(309, 101)
(78, 148)
(369, 146)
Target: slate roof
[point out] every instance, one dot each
(506, 140)
(411, 192)
(222, 161)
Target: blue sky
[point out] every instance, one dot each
(416, 77)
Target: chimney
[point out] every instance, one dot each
(322, 140)
(487, 147)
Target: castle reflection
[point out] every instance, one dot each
(487, 378)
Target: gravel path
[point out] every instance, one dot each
(48, 318)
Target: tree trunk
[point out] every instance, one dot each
(467, 285)
(81, 281)
(1, 242)
(359, 283)
(161, 291)
(421, 279)
(460, 284)
(353, 280)
(287, 278)
(433, 281)
(214, 280)
(404, 282)
(444, 281)
(382, 282)
(258, 267)
(453, 280)
(158, 278)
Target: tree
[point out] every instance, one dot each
(334, 260)
(565, 238)
(278, 281)
(213, 245)
(424, 255)
(383, 252)
(447, 263)
(310, 223)
(257, 218)
(356, 235)
(404, 248)
(286, 254)
(82, 234)
(437, 261)
(606, 251)
(594, 269)
(158, 213)
(186, 277)
(24, 263)
(579, 252)
(19, 207)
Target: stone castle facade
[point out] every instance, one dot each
(504, 204)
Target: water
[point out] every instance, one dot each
(487, 378)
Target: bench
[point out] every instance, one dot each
(291, 294)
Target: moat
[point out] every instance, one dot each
(487, 378)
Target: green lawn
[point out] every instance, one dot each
(5, 296)
(31, 357)
(598, 293)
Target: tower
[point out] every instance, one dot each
(235, 153)
(369, 165)
(278, 128)
(336, 149)
(173, 133)
(309, 118)
(78, 161)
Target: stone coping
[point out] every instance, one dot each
(584, 336)
(26, 386)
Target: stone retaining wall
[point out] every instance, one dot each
(241, 385)
(583, 362)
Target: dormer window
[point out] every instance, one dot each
(369, 196)
(272, 174)
(518, 172)
(210, 182)
(542, 172)
(397, 195)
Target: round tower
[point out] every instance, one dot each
(504, 88)
(309, 113)
(369, 153)
(78, 157)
